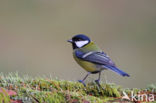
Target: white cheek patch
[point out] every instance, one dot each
(81, 43)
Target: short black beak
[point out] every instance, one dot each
(70, 40)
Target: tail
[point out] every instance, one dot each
(115, 69)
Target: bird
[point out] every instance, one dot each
(91, 58)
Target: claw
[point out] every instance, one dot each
(81, 81)
(98, 82)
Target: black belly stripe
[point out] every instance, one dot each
(95, 72)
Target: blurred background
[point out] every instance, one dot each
(33, 36)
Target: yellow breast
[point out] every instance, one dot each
(88, 66)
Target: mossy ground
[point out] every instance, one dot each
(45, 90)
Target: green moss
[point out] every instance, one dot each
(4, 98)
(45, 90)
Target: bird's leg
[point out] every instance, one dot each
(98, 80)
(82, 81)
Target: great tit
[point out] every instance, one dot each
(90, 57)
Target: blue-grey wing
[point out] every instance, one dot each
(100, 58)
(95, 57)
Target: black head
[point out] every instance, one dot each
(79, 41)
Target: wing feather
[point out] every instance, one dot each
(100, 58)
(95, 57)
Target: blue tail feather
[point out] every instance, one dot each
(115, 69)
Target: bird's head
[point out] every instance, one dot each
(79, 41)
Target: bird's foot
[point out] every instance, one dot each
(98, 82)
(81, 81)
